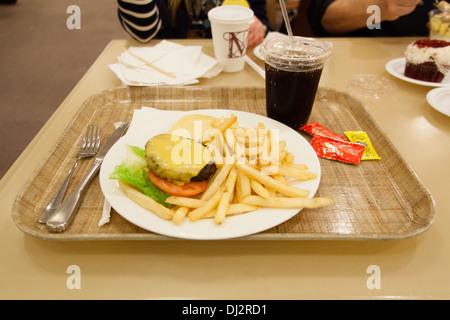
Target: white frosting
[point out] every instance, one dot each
(440, 56)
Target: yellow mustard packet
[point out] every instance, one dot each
(361, 137)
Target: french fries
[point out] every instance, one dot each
(287, 203)
(186, 202)
(233, 210)
(225, 124)
(222, 207)
(271, 182)
(259, 189)
(180, 214)
(295, 173)
(210, 204)
(216, 182)
(146, 202)
(252, 176)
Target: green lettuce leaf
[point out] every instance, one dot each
(132, 171)
(136, 150)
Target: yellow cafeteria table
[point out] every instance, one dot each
(412, 268)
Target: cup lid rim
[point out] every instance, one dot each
(322, 54)
(212, 14)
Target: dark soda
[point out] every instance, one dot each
(290, 95)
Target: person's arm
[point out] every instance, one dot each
(259, 7)
(256, 33)
(140, 18)
(343, 16)
(261, 25)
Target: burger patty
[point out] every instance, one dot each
(159, 154)
(205, 173)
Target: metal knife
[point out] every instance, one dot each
(63, 216)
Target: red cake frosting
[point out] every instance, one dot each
(428, 60)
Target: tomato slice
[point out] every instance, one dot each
(185, 190)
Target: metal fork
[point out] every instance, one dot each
(89, 148)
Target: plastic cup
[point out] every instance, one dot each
(229, 27)
(440, 24)
(293, 69)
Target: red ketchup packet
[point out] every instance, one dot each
(329, 145)
(315, 128)
(334, 149)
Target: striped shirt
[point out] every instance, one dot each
(148, 19)
(140, 18)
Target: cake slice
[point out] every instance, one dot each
(427, 60)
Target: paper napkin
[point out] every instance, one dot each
(186, 63)
(106, 213)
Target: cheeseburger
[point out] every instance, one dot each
(178, 165)
(177, 162)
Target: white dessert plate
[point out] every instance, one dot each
(257, 52)
(396, 67)
(439, 99)
(234, 226)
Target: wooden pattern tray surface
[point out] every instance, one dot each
(376, 200)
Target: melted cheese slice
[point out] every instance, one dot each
(176, 158)
(193, 126)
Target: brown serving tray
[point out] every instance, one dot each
(376, 200)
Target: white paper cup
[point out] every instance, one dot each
(229, 26)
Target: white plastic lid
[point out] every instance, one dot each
(296, 54)
(231, 14)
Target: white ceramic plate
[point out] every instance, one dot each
(439, 99)
(232, 227)
(257, 52)
(396, 67)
